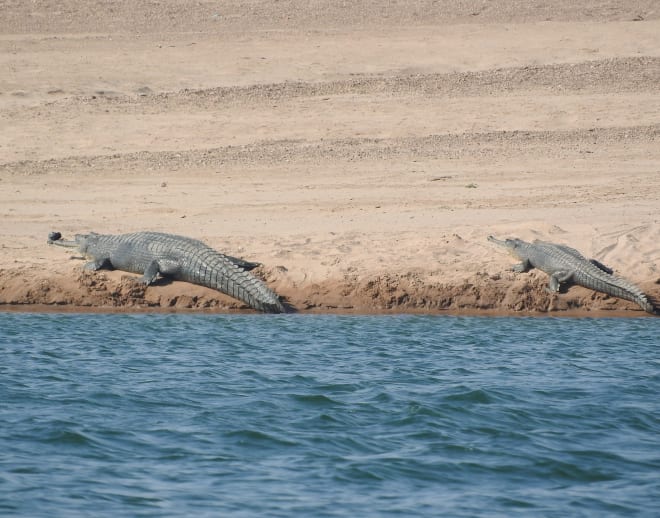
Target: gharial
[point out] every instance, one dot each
(180, 258)
(565, 264)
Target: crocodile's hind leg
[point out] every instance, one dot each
(165, 267)
(601, 266)
(557, 279)
(242, 263)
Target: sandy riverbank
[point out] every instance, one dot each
(361, 153)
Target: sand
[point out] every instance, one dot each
(361, 151)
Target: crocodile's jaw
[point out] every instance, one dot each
(509, 244)
(63, 243)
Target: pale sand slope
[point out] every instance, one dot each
(362, 153)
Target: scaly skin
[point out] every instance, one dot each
(564, 264)
(177, 257)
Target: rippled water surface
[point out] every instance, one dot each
(171, 415)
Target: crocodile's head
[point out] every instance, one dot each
(513, 245)
(83, 242)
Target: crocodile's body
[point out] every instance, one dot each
(565, 264)
(177, 257)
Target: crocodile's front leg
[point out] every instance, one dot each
(98, 264)
(522, 267)
(557, 279)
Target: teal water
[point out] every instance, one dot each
(215, 415)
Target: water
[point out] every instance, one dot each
(171, 415)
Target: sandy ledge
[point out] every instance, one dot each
(361, 153)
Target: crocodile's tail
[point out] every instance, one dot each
(653, 305)
(217, 271)
(246, 287)
(617, 287)
(634, 294)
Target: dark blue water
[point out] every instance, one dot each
(171, 415)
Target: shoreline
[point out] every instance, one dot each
(496, 295)
(571, 314)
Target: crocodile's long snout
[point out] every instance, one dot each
(55, 238)
(493, 239)
(66, 244)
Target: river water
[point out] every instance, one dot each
(254, 415)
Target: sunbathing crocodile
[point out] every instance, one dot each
(177, 257)
(564, 264)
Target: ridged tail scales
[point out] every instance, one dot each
(613, 285)
(213, 270)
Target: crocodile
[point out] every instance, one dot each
(565, 264)
(177, 257)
